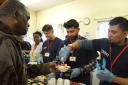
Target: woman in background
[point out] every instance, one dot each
(35, 53)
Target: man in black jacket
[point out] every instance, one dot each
(13, 22)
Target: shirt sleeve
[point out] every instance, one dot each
(95, 44)
(86, 44)
(92, 55)
(98, 44)
(90, 67)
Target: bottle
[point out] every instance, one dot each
(66, 82)
(53, 80)
(60, 81)
(50, 82)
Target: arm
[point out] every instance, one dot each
(106, 75)
(120, 80)
(84, 44)
(90, 67)
(38, 69)
(75, 72)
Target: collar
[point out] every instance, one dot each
(7, 32)
(4, 28)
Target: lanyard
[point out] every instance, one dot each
(49, 44)
(117, 57)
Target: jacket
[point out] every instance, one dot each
(11, 61)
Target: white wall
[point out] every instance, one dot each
(32, 26)
(62, 13)
(78, 9)
(32, 21)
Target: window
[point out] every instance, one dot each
(59, 31)
(103, 29)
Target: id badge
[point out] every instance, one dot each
(72, 58)
(47, 54)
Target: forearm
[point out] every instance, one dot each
(84, 44)
(121, 81)
(74, 45)
(38, 69)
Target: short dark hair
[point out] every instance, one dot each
(47, 27)
(123, 23)
(71, 23)
(39, 33)
(10, 6)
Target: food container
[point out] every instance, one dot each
(63, 67)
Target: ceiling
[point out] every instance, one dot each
(37, 5)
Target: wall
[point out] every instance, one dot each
(78, 9)
(32, 26)
(32, 21)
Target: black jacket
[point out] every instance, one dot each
(12, 68)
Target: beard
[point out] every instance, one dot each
(20, 30)
(73, 37)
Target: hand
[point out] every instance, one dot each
(33, 70)
(74, 45)
(52, 67)
(64, 53)
(51, 75)
(105, 75)
(75, 72)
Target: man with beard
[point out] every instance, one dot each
(13, 23)
(78, 58)
(114, 53)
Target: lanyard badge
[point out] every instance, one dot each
(47, 54)
(72, 58)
